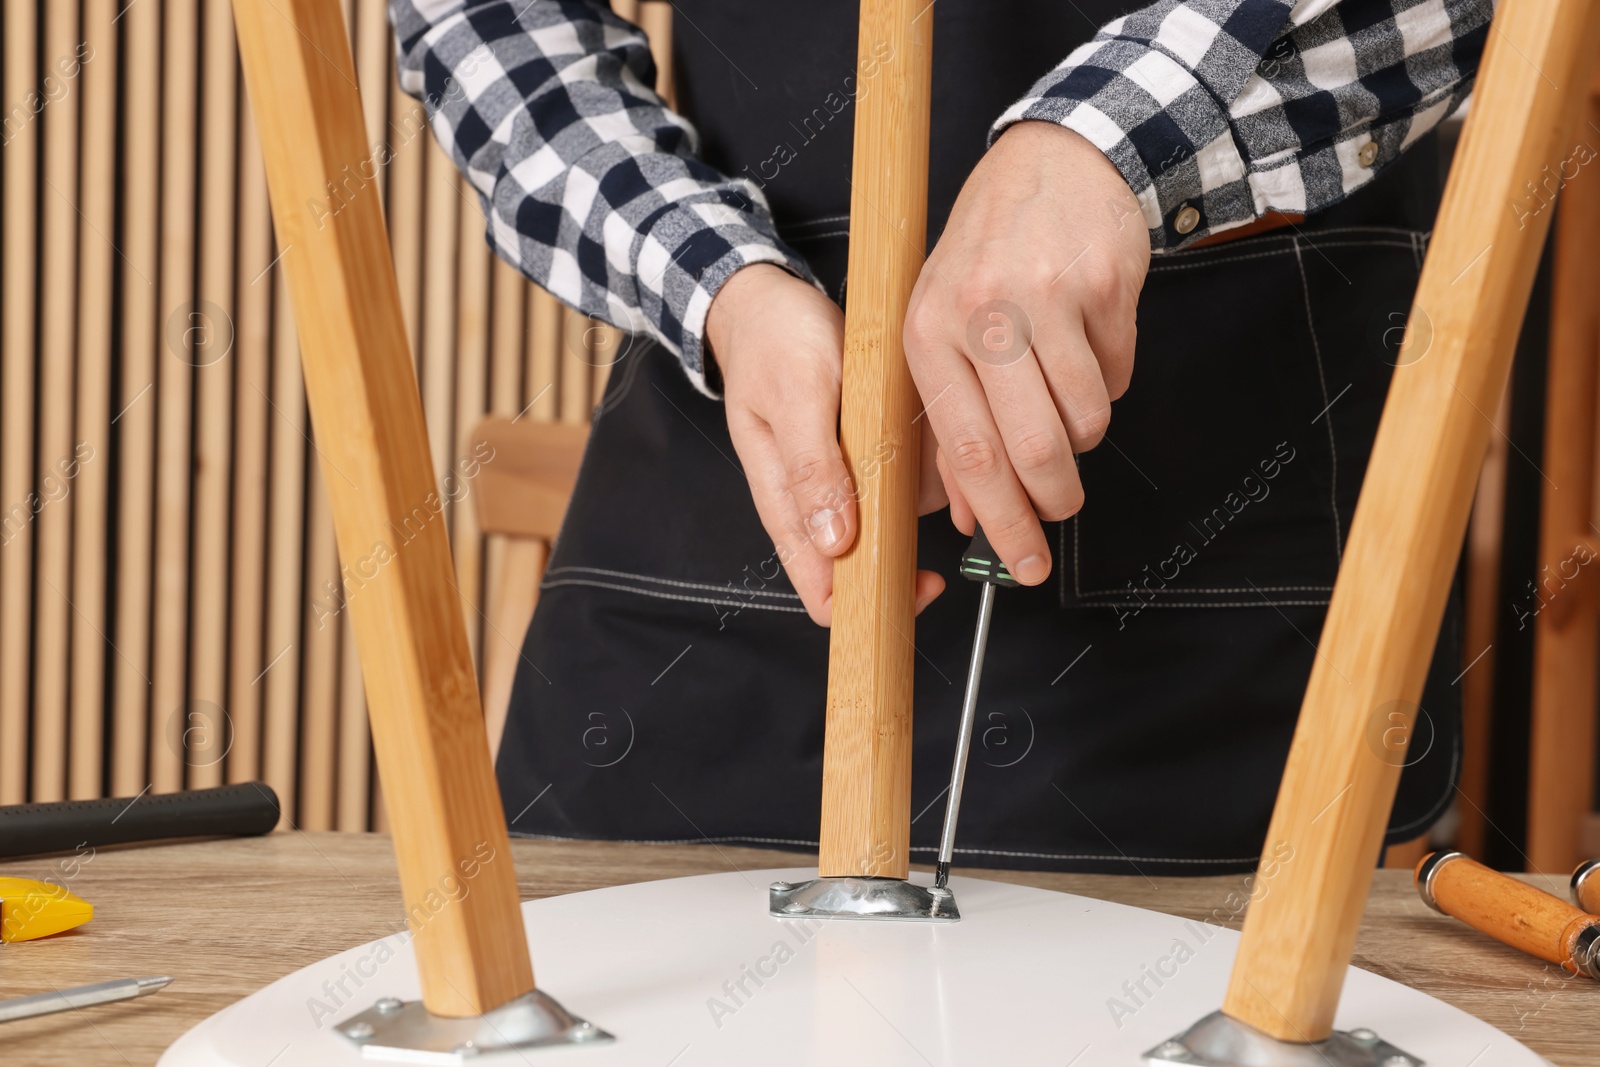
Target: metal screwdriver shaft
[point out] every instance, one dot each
(979, 564)
(79, 997)
(969, 710)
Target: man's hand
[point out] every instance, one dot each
(780, 345)
(1021, 330)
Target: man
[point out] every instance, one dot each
(1140, 694)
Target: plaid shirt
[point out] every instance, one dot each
(1215, 111)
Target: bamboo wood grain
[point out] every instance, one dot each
(1567, 625)
(18, 290)
(1485, 543)
(135, 421)
(286, 557)
(521, 568)
(626, 9)
(1406, 854)
(506, 345)
(374, 44)
(1384, 616)
(326, 596)
(525, 552)
(539, 385)
(1508, 910)
(1572, 585)
(442, 205)
(472, 395)
(655, 18)
(505, 400)
(577, 366)
(354, 786)
(608, 349)
(866, 771)
(207, 726)
(426, 716)
(53, 611)
(96, 283)
(247, 655)
(408, 138)
(523, 491)
(174, 393)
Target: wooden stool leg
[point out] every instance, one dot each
(866, 768)
(1561, 605)
(1338, 786)
(427, 723)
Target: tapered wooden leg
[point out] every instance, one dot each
(1338, 786)
(1561, 604)
(427, 723)
(866, 768)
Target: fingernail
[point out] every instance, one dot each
(827, 529)
(1032, 570)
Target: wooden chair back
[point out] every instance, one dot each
(521, 493)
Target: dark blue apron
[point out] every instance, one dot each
(1137, 708)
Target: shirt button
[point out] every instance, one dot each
(1187, 219)
(1368, 154)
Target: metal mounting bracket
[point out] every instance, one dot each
(862, 898)
(1220, 1041)
(403, 1031)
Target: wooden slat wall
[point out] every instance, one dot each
(170, 598)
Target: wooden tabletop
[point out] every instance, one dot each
(185, 910)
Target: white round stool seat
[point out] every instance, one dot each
(693, 972)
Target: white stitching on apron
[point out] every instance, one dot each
(668, 581)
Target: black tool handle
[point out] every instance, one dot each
(980, 562)
(226, 811)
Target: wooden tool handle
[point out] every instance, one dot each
(450, 839)
(1586, 886)
(866, 763)
(1394, 577)
(1510, 911)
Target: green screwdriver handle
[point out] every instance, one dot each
(980, 562)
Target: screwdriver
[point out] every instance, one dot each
(979, 563)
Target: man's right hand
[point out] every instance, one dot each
(780, 345)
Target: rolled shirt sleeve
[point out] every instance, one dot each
(590, 184)
(1219, 111)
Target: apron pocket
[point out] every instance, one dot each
(1233, 463)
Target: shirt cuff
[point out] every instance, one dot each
(1158, 125)
(688, 252)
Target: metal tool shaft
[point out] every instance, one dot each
(969, 712)
(79, 997)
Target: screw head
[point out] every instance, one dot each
(1172, 1050)
(781, 887)
(359, 1031)
(1363, 1034)
(1397, 1061)
(466, 1049)
(388, 1005)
